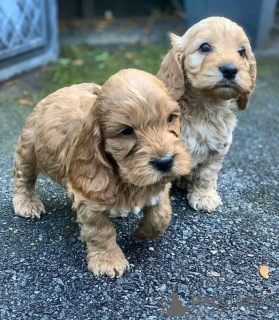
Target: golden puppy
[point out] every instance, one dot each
(211, 72)
(114, 148)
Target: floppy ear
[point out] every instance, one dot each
(242, 101)
(90, 174)
(171, 71)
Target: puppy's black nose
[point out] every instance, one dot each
(229, 71)
(163, 163)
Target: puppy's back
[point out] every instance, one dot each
(53, 124)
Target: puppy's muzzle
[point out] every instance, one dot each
(229, 71)
(163, 164)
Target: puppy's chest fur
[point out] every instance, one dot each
(128, 200)
(123, 209)
(206, 127)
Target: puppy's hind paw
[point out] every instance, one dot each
(208, 201)
(28, 207)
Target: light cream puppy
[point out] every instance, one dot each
(211, 72)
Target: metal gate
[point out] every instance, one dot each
(28, 35)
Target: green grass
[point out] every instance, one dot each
(79, 64)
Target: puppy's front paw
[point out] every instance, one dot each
(28, 206)
(111, 263)
(145, 233)
(204, 201)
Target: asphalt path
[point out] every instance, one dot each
(43, 273)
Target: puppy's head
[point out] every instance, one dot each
(214, 57)
(131, 135)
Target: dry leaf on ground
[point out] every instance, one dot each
(44, 68)
(25, 102)
(10, 83)
(264, 272)
(25, 93)
(129, 55)
(77, 62)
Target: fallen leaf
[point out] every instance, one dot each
(129, 55)
(44, 68)
(25, 102)
(264, 272)
(132, 42)
(25, 93)
(77, 62)
(10, 83)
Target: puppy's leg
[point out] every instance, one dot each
(25, 201)
(182, 182)
(202, 186)
(155, 218)
(104, 256)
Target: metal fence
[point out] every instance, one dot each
(28, 35)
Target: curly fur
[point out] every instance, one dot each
(207, 100)
(75, 136)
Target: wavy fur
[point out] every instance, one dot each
(207, 106)
(75, 136)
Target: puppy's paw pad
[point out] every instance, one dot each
(206, 202)
(111, 263)
(28, 207)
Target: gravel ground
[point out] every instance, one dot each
(43, 272)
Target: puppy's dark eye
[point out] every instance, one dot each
(128, 131)
(171, 118)
(205, 47)
(241, 52)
